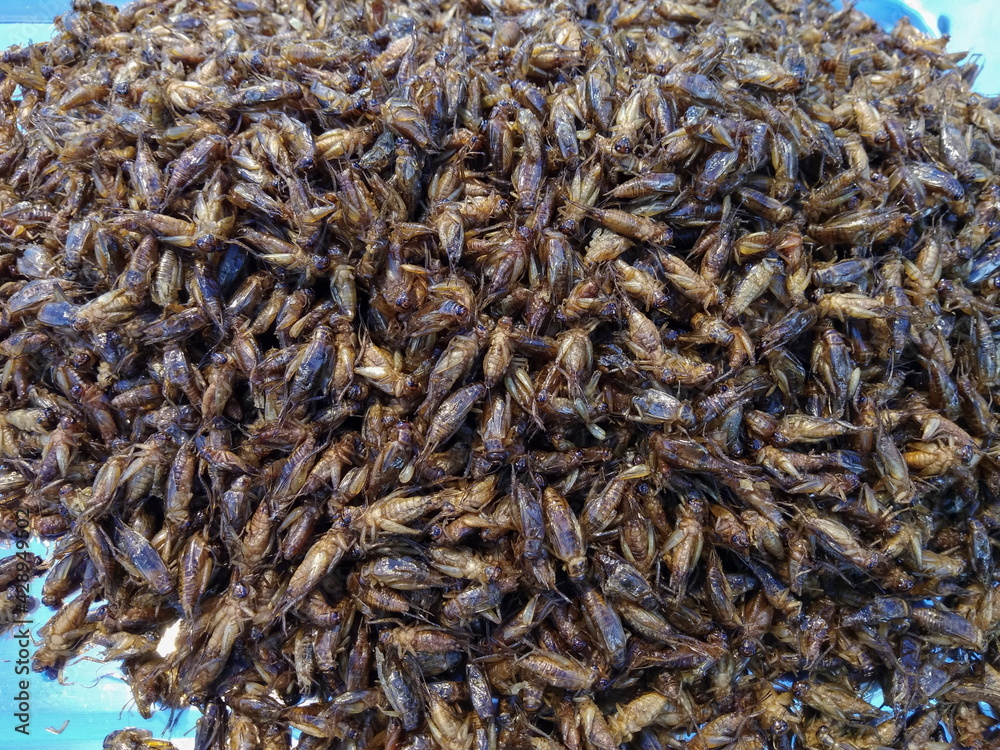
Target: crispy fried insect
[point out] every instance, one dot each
(564, 533)
(558, 671)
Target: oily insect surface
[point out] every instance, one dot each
(499, 375)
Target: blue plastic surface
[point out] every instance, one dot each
(39, 11)
(972, 26)
(94, 701)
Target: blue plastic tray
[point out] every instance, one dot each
(95, 701)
